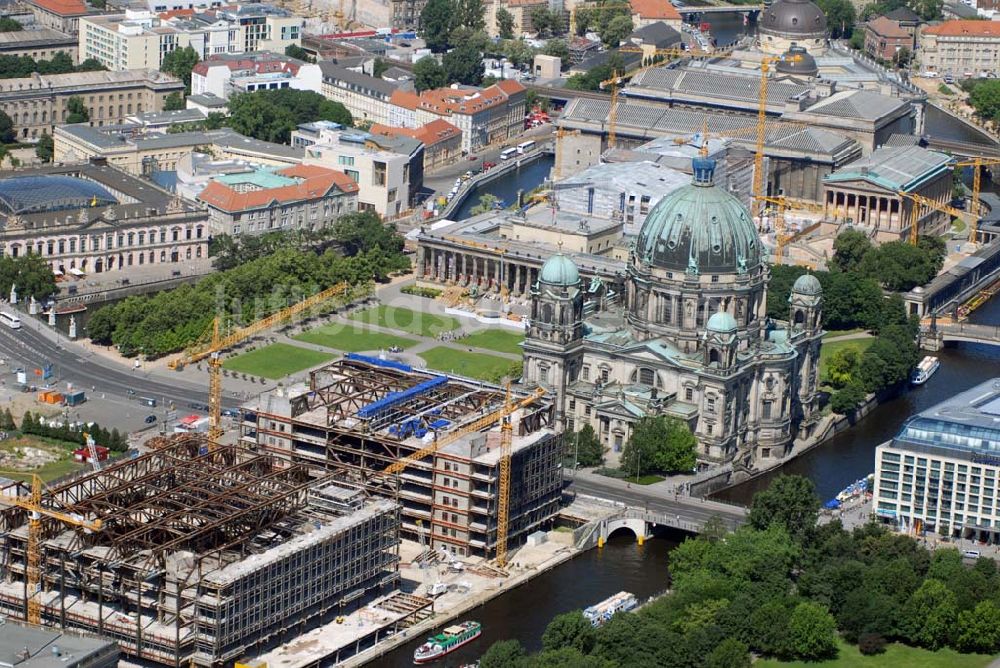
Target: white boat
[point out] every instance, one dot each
(599, 613)
(927, 367)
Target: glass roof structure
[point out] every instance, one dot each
(38, 194)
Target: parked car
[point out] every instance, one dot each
(230, 412)
(473, 157)
(150, 419)
(197, 406)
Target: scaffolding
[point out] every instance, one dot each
(452, 494)
(203, 552)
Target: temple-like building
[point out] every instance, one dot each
(690, 337)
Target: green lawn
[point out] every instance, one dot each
(828, 349)
(414, 322)
(48, 472)
(842, 332)
(473, 365)
(352, 339)
(500, 340)
(895, 656)
(276, 360)
(57, 469)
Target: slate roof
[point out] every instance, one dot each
(859, 104)
(903, 14)
(681, 121)
(657, 34)
(895, 168)
(718, 86)
(333, 72)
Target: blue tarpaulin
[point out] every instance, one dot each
(395, 398)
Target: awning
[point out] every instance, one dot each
(76, 272)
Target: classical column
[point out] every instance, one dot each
(421, 259)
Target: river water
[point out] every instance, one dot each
(506, 188)
(523, 613)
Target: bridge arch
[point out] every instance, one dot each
(638, 528)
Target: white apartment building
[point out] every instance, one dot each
(388, 170)
(223, 75)
(961, 47)
(140, 38)
(367, 98)
(941, 472)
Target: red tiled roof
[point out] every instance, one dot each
(963, 28)
(405, 99)
(465, 101)
(655, 9)
(258, 65)
(316, 182)
(510, 86)
(429, 134)
(172, 13)
(62, 7)
(888, 28)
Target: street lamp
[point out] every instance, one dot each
(638, 458)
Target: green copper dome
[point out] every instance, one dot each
(700, 229)
(560, 270)
(807, 284)
(722, 322)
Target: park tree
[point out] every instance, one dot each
(7, 134)
(517, 51)
(76, 110)
(616, 31)
(173, 102)
(790, 502)
(437, 19)
(929, 616)
(584, 447)
(558, 48)
(979, 629)
(464, 64)
(900, 266)
(985, 98)
(101, 326)
(487, 202)
(846, 399)
(45, 148)
(470, 14)
(730, 653)
(849, 248)
(568, 657)
(179, 63)
(364, 231)
(842, 367)
(428, 74)
(505, 23)
(812, 632)
(30, 273)
(569, 629)
(504, 654)
(840, 17)
(659, 443)
(271, 115)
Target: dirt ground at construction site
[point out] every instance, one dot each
(464, 588)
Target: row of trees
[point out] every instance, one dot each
(659, 444)
(984, 96)
(447, 23)
(113, 440)
(16, 67)
(784, 587)
(271, 115)
(897, 265)
(169, 321)
(30, 273)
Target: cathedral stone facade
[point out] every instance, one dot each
(690, 340)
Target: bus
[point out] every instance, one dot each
(508, 153)
(525, 147)
(10, 320)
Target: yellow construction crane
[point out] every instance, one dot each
(501, 415)
(216, 343)
(33, 554)
(616, 79)
(977, 165)
(919, 202)
(758, 156)
(782, 204)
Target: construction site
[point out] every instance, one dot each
(434, 444)
(194, 553)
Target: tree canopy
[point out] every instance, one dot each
(438, 18)
(7, 132)
(840, 16)
(16, 67)
(786, 597)
(78, 112)
(464, 64)
(45, 148)
(428, 74)
(505, 23)
(584, 447)
(179, 63)
(659, 443)
(271, 115)
(30, 273)
(263, 277)
(789, 502)
(8, 24)
(173, 102)
(297, 52)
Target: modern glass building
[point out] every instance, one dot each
(940, 472)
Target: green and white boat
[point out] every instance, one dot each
(447, 642)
